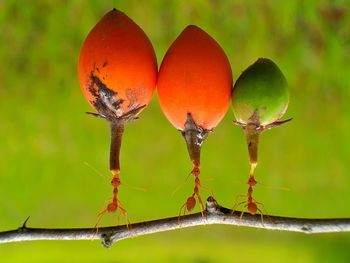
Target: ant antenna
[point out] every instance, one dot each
(181, 184)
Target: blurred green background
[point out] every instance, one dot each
(46, 138)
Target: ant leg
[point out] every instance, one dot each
(264, 212)
(125, 215)
(209, 190)
(205, 188)
(99, 217)
(123, 212)
(242, 213)
(201, 204)
(196, 192)
(236, 205)
(241, 216)
(262, 217)
(182, 212)
(240, 196)
(197, 185)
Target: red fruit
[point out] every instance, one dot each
(195, 76)
(119, 55)
(117, 73)
(194, 89)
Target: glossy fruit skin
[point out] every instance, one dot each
(195, 77)
(118, 54)
(260, 89)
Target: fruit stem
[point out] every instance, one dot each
(117, 130)
(252, 134)
(252, 168)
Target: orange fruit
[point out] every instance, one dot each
(117, 55)
(195, 77)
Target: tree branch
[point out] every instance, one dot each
(215, 214)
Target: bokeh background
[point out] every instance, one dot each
(50, 149)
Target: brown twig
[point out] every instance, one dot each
(215, 214)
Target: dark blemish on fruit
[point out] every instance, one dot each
(106, 102)
(105, 64)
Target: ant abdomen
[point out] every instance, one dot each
(252, 208)
(190, 203)
(111, 207)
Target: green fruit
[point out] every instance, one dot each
(260, 95)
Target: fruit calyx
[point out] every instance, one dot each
(107, 103)
(194, 136)
(252, 130)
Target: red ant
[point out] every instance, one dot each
(115, 204)
(191, 201)
(250, 203)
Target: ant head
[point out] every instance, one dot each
(252, 208)
(190, 203)
(112, 207)
(195, 171)
(116, 182)
(252, 181)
